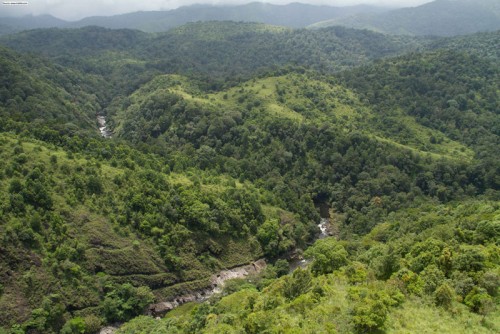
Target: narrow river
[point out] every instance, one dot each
(217, 283)
(105, 132)
(300, 261)
(219, 279)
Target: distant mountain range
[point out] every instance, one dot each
(295, 15)
(9, 25)
(441, 18)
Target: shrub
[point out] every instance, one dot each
(411, 282)
(356, 273)
(444, 296)
(296, 284)
(479, 301)
(74, 326)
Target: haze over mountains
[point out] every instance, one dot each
(441, 17)
(295, 15)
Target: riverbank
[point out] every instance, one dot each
(217, 283)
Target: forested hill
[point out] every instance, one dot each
(483, 45)
(221, 53)
(85, 222)
(440, 18)
(404, 277)
(36, 90)
(225, 137)
(309, 126)
(225, 53)
(14, 24)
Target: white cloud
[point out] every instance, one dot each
(77, 9)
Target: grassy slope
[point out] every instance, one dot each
(313, 101)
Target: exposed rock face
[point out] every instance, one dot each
(160, 309)
(238, 272)
(217, 282)
(108, 330)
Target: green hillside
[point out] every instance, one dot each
(36, 90)
(228, 140)
(99, 216)
(429, 269)
(313, 134)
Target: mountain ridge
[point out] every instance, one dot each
(294, 15)
(440, 17)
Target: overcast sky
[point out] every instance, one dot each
(77, 9)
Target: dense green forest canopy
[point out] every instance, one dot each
(218, 53)
(36, 90)
(225, 136)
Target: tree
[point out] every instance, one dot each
(50, 315)
(411, 282)
(328, 255)
(268, 236)
(356, 273)
(126, 301)
(432, 277)
(479, 301)
(282, 267)
(199, 317)
(369, 315)
(94, 185)
(297, 284)
(371, 308)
